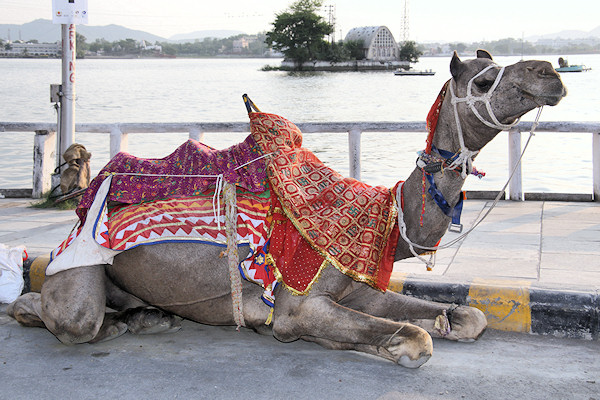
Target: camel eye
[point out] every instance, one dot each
(483, 84)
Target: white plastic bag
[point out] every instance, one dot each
(11, 273)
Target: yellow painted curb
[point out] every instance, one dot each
(505, 303)
(37, 272)
(397, 282)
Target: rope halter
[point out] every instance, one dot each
(465, 158)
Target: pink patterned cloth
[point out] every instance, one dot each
(191, 158)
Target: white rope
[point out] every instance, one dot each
(402, 224)
(465, 157)
(402, 227)
(218, 184)
(162, 175)
(251, 161)
(217, 200)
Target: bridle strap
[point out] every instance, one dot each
(465, 158)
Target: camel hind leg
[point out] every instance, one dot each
(72, 307)
(73, 303)
(27, 310)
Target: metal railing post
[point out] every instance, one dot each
(196, 134)
(118, 141)
(515, 188)
(354, 152)
(596, 164)
(44, 157)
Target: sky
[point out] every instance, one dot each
(431, 20)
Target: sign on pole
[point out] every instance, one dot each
(70, 12)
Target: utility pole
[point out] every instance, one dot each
(67, 13)
(404, 25)
(67, 99)
(330, 10)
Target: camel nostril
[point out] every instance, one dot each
(530, 69)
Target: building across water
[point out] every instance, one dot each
(380, 52)
(22, 49)
(377, 42)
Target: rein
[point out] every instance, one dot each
(463, 160)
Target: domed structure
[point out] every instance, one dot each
(378, 42)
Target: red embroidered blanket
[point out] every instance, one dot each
(347, 222)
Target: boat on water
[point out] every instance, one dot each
(563, 66)
(412, 72)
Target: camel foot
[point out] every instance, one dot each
(467, 324)
(27, 310)
(111, 329)
(407, 362)
(410, 347)
(145, 321)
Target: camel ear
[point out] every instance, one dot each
(483, 54)
(456, 66)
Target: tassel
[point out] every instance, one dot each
(270, 317)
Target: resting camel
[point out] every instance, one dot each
(191, 280)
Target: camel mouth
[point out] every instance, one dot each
(544, 99)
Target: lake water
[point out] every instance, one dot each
(209, 90)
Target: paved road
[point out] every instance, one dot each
(203, 362)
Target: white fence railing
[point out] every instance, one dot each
(44, 155)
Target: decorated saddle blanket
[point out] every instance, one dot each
(189, 171)
(347, 222)
(295, 213)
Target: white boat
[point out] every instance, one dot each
(404, 72)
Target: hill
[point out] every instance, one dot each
(45, 31)
(568, 35)
(218, 34)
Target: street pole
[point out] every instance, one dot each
(67, 100)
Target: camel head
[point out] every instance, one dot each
(490, 98)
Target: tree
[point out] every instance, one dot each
(299, 32)
(355, 49)
(80, 45)
(409, 52)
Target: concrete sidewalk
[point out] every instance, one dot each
(531, 266)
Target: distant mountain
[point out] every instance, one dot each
(116, 32)
(45, 31)
(217, 34)
(568, 34)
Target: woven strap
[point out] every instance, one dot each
(232, 253)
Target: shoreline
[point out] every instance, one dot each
(234, 57)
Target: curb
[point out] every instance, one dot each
(509, 305)
(515, 306)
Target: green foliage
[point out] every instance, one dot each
(511, 46)
(208, 47)
(80, 45)
(48, 201)
(299, 32)
(410, 52)
(355, 49)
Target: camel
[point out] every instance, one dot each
(151, 287)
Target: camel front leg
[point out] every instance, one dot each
(466, 324)
(317, 317)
